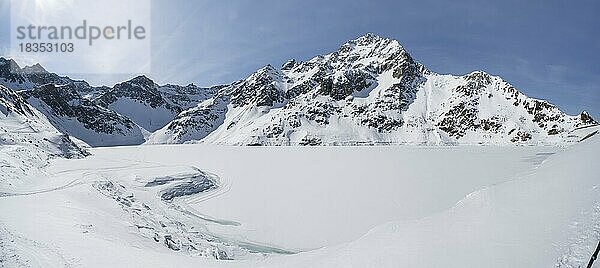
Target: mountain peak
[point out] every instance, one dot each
(587, 118)
(290, 64)
(372, 86)
(36, 68)
(266, 71)
(372, 48)
(141, 81)
(13, 66)
(4, 61)
(266, 68)
(369, 38)
(141, 78)
(478, 75)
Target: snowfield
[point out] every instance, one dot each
(220, 206)
(302, 198)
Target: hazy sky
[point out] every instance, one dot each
(547, 49)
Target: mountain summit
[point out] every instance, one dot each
(370, 91)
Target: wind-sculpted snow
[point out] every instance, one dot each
(170, 232)
(549, 218)
(157, 206)
(584, 232)
(183, 185)
(28, 140)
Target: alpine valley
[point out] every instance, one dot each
(467, 172)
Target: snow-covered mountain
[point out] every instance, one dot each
(140, 101)
(149, 105)
(370, 91)
(77, 116)
(68, 106)
(27, 139)
(29, 77)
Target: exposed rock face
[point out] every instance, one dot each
(462, 116)
(186, 97)
(140, 89)
(260, 89)
(203, 119)
(72, 114)
(586, 119)
(11, 102)
(28, 140)
(149, 105)
(67, 105)
(29, 77)
(140, 100)
(10, 72)
(370, 91)
(34, 128)
(121, 110)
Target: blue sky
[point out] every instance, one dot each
(547, 49)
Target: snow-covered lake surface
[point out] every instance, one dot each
(332, 205)
(308, 197)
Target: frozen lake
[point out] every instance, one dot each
(302, 198)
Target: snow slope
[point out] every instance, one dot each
(149, 105)
(27, 142)
(550, 218)
(68, 106)
(72, 114)
(370, 91)
(527, 207)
